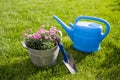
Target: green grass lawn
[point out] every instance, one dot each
(18, 15)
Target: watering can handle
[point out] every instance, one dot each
(96, 19)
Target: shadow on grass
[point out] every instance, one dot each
(77, 55)
(111, 64)
(115, 6)
(24, 69)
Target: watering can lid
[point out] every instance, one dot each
(89, 25)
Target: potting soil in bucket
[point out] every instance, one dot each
(44, 58)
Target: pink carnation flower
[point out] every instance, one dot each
(54, 29)
(41, 31)
(51, 32)
(36, 36)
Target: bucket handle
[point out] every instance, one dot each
(24, 45)
(60, 35)
(96, 19)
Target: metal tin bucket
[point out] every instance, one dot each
(44, 58)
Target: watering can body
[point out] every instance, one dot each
(86, 35)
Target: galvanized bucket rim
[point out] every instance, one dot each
(43, 50)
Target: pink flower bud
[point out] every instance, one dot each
(46, 37)
(51, 38)
(25, 35)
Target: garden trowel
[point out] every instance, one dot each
(68, 60)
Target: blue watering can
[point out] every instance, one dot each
(86, 35)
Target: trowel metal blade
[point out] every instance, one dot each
(70, 65)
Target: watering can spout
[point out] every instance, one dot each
(68, 30)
